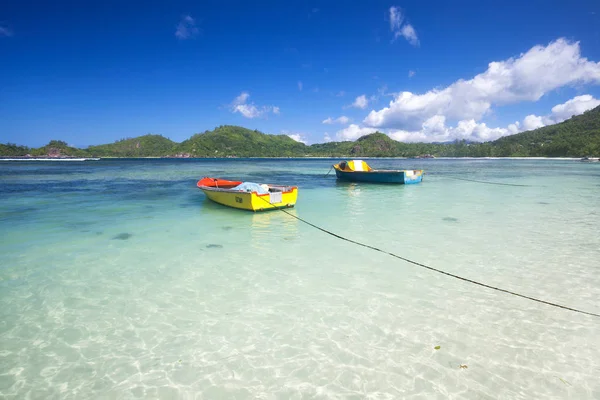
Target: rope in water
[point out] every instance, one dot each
(438, 270)
(489, 183)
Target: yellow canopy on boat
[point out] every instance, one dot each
(354, 165)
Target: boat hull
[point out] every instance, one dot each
(397, 177)
(251, 201)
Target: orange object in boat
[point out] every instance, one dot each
(217, 183)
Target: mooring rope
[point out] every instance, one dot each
(489, 183)
(437, 270)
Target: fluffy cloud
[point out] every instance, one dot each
(514, 128)
(353, 132)
(532, 122)
(407, 31)
(250, 110)
(186, 28)
(242, 98)
(297, 137)
(434, 129)
(560, 112)
(361, 102)
(396, 18)
(526, 78)
(575, 106)
(341, 120)
(411, 73)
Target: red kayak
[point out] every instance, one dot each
(217, 183)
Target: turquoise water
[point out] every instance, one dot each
(118, 279)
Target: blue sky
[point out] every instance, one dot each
(94, 72)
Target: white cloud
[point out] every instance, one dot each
(396, 18)
(248, 110)
(577, 105)
(353, 132)
(4, 31)
(532, 122)
(434, 129)
(526, 78)
(242, 98)
(297, 137)
(251, 110)
(514, 128)
(327, 138)
(361, 102)
(186, 28)
(560, 112)
(300, 85)
(411, 73)
(340, 120)
(407, 31)
(341, 93)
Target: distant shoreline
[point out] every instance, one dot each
(281, 158)
(48, 159)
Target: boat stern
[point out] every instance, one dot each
(286, 198)
(413, 176)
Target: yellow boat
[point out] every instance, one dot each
(248, 196)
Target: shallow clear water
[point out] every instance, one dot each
(118, 279)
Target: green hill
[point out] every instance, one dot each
(57, 148)
(236, 141)
(373, 145)
(142, 146)
(13, 150)
(578, 136)
(377, 145)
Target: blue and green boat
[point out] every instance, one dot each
(360, 171)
